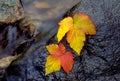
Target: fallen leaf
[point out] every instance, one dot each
(52, 65)
(76, 28)
(58, 57)
(53, 48)
(65, 26)
(76, 39)
(84, 23)
(67, 62)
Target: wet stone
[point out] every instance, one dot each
(100, 57)
(14, 38)
(10, 11)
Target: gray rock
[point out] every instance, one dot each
(100, 57)
(11, 14)
(10, 11)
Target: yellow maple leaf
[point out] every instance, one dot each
(65, 25)
(84, 23)
(76, 29)
(76, 39)
(53, 48)
(52, 65)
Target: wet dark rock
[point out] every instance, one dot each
(100, 57)
(14, 39)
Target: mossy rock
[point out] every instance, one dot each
(10, 11)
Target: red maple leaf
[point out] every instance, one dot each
(59, 52)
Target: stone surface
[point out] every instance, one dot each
(11, 36)
(16, 34)
(10, 11)
(100, 57)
